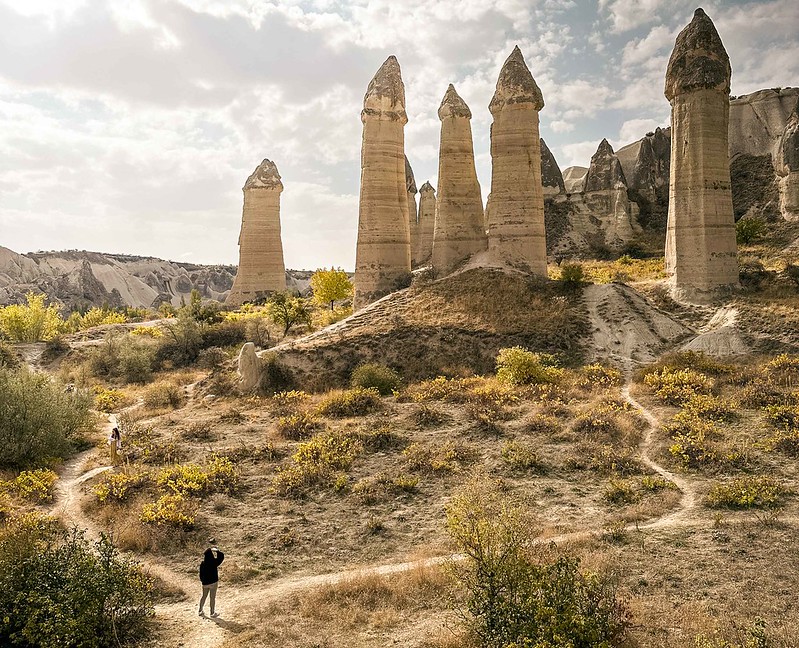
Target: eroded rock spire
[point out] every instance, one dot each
(701, 254)
(427, 217)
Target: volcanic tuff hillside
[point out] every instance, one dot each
(78, 279)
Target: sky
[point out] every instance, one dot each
(130, 126)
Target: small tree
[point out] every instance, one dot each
(749, 230)
(286, 310)
(31, 322)
(330, 286)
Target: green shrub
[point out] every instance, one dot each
(784, 369)
(39, 421)
(376, 376)
(30, 322)
(8, 359)
(677, 386)
(218, 474)
(704, 406)
(783, 416)
(749, 230)
(518, 366)
(109, 400)
(170, 510)
(597, 375)
(163, 394)
(621, 491)
(117, 486)
(747, 492)
(606, 460)
(212, 358)
(438, 457)
(298, 426)
(521, 457)
(572, 274)
(512, 594)
(124, 357)
(656, 484)
(58, 589)
(384, 486)
(352, 402)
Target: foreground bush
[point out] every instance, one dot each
(678, 386)
(524, 596)
(518, 366)
(353, 402)
(164, 394)
(376, 376)
(39, 422)
(747, 492)
(31, 322)
(58, 589)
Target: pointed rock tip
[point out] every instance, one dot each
(699, 60)
(604, 145)
(516, 84)
(452, 105)
(426, 187)
(265, 176)
(410, 181)
(386, 92)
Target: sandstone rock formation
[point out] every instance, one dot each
(77, 279)
(700, 239)
(383, 254)
(574, 178)
(459, 219)
(249, 368)
(413, 213)
(551, 177)
(788, 168)
(261, 270)
(427, 219)
(515, 208)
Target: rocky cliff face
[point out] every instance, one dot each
(551, 177)
(79, 279)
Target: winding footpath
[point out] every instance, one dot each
(179, 620)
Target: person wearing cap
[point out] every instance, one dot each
(209, 575)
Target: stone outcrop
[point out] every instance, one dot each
(459, 219)
(700, 238)
(574, 178)
(413, 212)
(551, 177)
(383, 254)
(515, 208)
(650, 172)
(261, 269)
(427, 219)
(788, 168)
(249, 368)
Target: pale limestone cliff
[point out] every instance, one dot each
(551, 177)
(515, 209)
(788, 168)
(427, 219)
(574, 178)
(459, 230)
(700, 239)
(383, 254)
(261, 269)
(413, 211)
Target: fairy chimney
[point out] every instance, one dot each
(459, 222)
(427, 218)
(700, 238)
(383, 254)
(261, 270)
(515, 209)
(413, 213)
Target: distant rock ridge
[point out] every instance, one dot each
(551, 177)
(605, 171)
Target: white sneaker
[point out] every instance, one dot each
(214, 614)
(201, 613)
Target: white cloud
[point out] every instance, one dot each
(635, 129)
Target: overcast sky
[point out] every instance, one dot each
(131, 125)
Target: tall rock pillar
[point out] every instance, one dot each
(261, 268)
(701, 254)
(516, 206)
(383, 255)
(459, 222)
(413, 213)
(788, 168)
(427, 218)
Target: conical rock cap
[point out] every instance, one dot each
(386, 92)
(453, 106)
(516, 84)
(265, 176)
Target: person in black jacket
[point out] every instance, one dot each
(209, 575)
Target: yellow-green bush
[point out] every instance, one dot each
(109, 400)
(784, 369)
(298, 426)
(117, 486)
(518, 366)
(98, 316)
(384, 486)
(218, 474)
(35, 485)
(170, 510)
(148, 331)
(434, 457)
(317, 461)
(656, 484)
(288, 402)
(746, 492)
(521, 457)
(163, 394)
(678, 386)
(621, 491)
(597, 375)
(352, 402)
(709, 407)
(30, 322)
(376, 376)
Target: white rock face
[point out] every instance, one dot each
(516, 232)
(413, 212)
(700, 238)
(249, 368)
(787, 168)
(383, 254)
(261, 268)
(459, 219)
(574, 178)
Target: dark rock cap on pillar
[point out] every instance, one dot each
(699, 60)
(265, 176)
(453, 106)
(385, 94)
(516, 84)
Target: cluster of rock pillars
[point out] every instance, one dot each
(394, 236)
